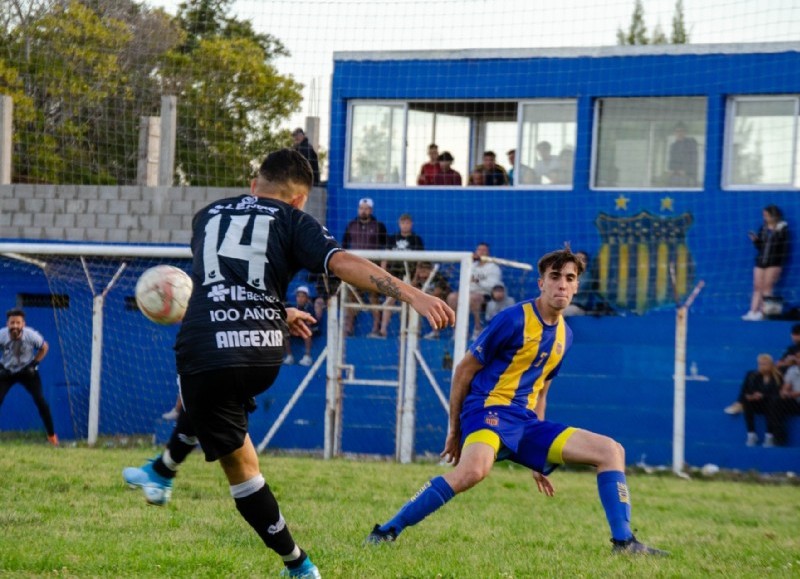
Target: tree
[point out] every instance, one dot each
(637, 30)
(70, 66)
(230, 96)
(679, 33)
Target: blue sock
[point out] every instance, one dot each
(616, 501)
(434, 494)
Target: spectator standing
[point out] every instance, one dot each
(500, 301)
(304, 304)
(404, 240)
(485, 275)
(22, 349)
(772, 246)
(302, 146)
(683, 159)
(429, 170)
(364, 232)
(446, 175)
(758, 389)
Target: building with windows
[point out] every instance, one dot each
(647, 157)
(656, 160)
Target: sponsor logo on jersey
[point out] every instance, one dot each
(248, 203)
(238, 293)
(249, 339)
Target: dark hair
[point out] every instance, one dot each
(558, 259)
(433, 146)
(446, 156)
(774, 211)
(286, 165)
(15, 312)
(489, 154)
(796, 329)
(483, 243)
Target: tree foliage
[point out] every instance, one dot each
(636, 34)
(82, 74)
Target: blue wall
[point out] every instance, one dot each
(523, 224)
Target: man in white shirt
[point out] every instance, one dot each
(21, 350)
(485, 275)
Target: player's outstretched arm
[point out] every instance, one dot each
(364, 274)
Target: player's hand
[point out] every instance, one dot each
(438, 313)
(543, 484)
(452, 448)
(298, 321)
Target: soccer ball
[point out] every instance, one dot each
(162, 294)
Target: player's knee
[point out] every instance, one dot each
(468, 476)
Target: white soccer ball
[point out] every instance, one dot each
(162, 294)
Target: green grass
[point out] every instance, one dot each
(66, 513)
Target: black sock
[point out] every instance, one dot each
(182, 441)
(161, 468)
(262, 512)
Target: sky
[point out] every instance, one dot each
(312, 30)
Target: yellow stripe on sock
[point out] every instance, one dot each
(557, 448)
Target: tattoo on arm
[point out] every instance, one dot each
(386, 286)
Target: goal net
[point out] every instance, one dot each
(111, 371)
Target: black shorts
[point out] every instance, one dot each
(218, 401)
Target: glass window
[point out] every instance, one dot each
(646, 143)
(376, 143)
(547, 150)
(762, 142)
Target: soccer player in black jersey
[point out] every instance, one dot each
(230, 345)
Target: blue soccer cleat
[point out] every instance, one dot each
(307, 570)
(633, 547)
(376, 537)
(157, 489)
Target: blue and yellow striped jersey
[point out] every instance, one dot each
(519, 353)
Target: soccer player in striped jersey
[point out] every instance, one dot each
(497, 411)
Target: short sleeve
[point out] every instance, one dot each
(312, 244)
(495, 337)
(34, 338)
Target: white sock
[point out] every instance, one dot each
(248, 487)
(166, 458)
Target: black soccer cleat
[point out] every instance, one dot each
(376, 537)
(633, 547)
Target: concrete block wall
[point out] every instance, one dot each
(113, 214)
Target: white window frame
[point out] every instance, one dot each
(652, 188)
(520, 120)
(727, 157)
(348, 143)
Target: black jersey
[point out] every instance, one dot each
(245, 251)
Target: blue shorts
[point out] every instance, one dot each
(516, 434)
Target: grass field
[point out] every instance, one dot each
(66, 513)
